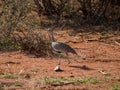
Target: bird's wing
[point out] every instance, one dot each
(62, 47)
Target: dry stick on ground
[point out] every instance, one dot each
(117, 43)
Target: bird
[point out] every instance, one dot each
(60, 47)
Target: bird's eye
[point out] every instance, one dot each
(49, 29)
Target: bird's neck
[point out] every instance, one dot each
(52, 37)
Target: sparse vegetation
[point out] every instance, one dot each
(93, 26)
(16, 33)
(34, 43)
(12, 14)
(9, 76)
(115, 87)
(80, 12)
(21, 16)
(105, 34)
(89, 80)
(18, 84)
(67, 80)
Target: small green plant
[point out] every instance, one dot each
(10, 76)
(12, 14)
(51, 81)
(90, 80)
(7, 44)
(105, 34)
(115, 87)
(18, 84)
(66, 80)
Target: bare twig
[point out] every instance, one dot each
(117, 43)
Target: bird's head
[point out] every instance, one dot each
(49, 29)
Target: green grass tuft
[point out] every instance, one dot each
(115, 87)
(10, 76)
(66, 80)
(18, 84)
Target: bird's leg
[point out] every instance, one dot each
(59, 62)
(68, 58)
(76, 57)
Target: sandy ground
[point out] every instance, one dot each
(98, 59)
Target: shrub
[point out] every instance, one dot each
(16, 24)
(12, 13)
(80, 12)
(33, 42)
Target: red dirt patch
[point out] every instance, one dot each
(98, 56)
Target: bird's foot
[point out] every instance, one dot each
(68, 62)
(77, 61)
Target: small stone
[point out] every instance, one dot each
(58, 69)
(84, 57)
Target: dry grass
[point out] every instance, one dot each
(33, 42)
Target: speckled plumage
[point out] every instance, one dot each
(62, 47)
(59, 46)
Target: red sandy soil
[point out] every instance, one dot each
(99, 55)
